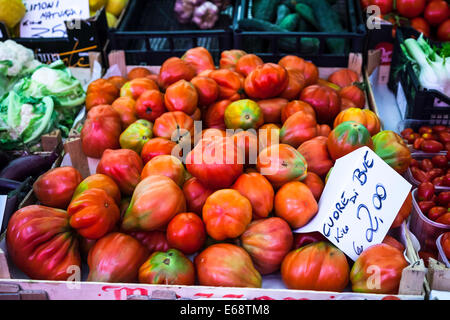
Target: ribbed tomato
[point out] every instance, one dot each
(316, 155)
(295, 106)
(99, 181)
(176, 126)
(343, 77)
(325, 101)
(266, 81)
(174, 69)
(298, 128)
(230, 84)
(196, 194)
(365, 117)
(186, 232)
(229, 58)
(248, 63)
(181, 96)
(150, 105)
(354, 94)
(347, 137)
(199, 58)
(165, 165)
(295, 85)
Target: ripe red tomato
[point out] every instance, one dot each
(426, 165)
(445, 243)
(425, 206)
(411, 8)
(436, 12)
(425, 191)
(436, 212)
(444, 198)
(385, 6)
(431, 146)
(421, 25)
(440, 161)
(443, 32)
(186, 232)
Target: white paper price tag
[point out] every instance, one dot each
(359, 203)
(45, 19)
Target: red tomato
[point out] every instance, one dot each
(419, 175)
(426, 165)
(436, 12)
(445, 243)
(406, 132)
(425, 129)
(421, 25)
(186, 232)
(431, 146)
(425, 206)
(444, 137)
(434, 173)
(385, 6)
(440, 161)
(436, 212)
(303, 239)
(411, 8)
(425, 191)
(443, 32)
(425, 255)
(444, 198)
(412, 137)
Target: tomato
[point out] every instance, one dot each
(138, 72)
(267, 241)
(56, 187)
(445, 243)
(226, 265)
(295, 203)
(152, 240)
(315, 184)
(186, 232)
(443, 32)
(213, 133)
(93, 213)
(406, 132)
(271, 109)
(116, 257)
(318, 266)
(444, 198)
(431, 146)
(214, 116)
(412, 138)
(248, 63)
(295, 85)
(165, 165)
(365, 117)
(258, 190)
(426, 165)
(281, 163)
(298, 128)
(444, 219)
(425, 206)
(434, 173)
(435, 212)
(207, 89)
(354, 94)
(294, 62)
(99, 181)
(41, 243)
(327, 83)
(230, 84)
(199, 58)
(155, 147)
(136, 87)
(268, 135)
(325, 101)
(167, 268)
(126, 108)
(243, 114)
(344, 77)
(124, 166)
(196, 194)
(386, 6)
(99, 92)
(436, 12)
(421, 25)
(176, 126)
(390, 147)
(390, 262)
(295, 106)
(316, 155)
(347, 137)
(419, 175)
(174, 69)
(411, 8)
(118, 81)
(266, 81)
(136, 135)
(303, 239)
(215, 163)
(247, 145)
(425, 256)
(404, 211)
(229, 58)
(150, 105)
(226, 214)
(393, 243)
(444, 137)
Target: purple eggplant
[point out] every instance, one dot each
(28, 166)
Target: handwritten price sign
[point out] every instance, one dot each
(359, 203)
(45, 19)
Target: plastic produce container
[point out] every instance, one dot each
(441, 255)
(409, 176)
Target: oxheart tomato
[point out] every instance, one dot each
(226, 265)
(196, 194)
(181, 96)
(295, 85)
(316, 155)
(343, 77)
(411, 8)
(153, 240)
(155, 201)
(256, 188)
(136, 135)
(93, 213)
(56, 187)
(268, 134)
(199, 58)
(355, 94)
(165, 165)
(271, 109)
(229, 58)
(347, 137)
(298, 128)
(207, 89)
(214, 115)
(266, 81)
(231, 84)
(168, 268)
(293, 107)
(226, 214)
(99, 181)
(186, 232)
(281, 163)
(101, 131)
(303, 239)
(365, 117)
(393, 243)
(155, 147)
(315, 184)
(174, 69)
(116, 257)
(267, 241)
(176, 126)
(126, 108)
(325, 101)
(150, 105)
(318, 266)
(247, 144)
(124, 166)
(390, 263)
(248, 63)
(215, 163)
(138, 72)
(99, 92)
(136, 87)
(41, 243)
(389, 146)
(243, 114)
(295, 203)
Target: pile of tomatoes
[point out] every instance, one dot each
(435, 205)
(429, 139)
(163, 209)
(430, 17)
(435, 170)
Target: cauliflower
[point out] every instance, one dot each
(22, 58)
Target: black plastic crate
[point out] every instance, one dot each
(83, 36)
(150, 33)
(420, 103)
(269, 42)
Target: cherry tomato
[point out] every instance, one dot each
(440, 161)
(431, 146)
(417, 143)
(446, 179)
(412, 137)
(425, 191)
(425, 129)
(414, 163)
(434, 173)
(439, 128)
(444, 137)
(410, 8)
(436, 212)
(429, 136)
(425, 206)
(406, 132)
(385, 6)
(419, 175)
(426, 165)
(436, 12)
(444, 198)
(443, 32)
(421, 25)
(439, 181)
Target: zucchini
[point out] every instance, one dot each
(307, 45)
(307, 13)
(290, 22)
(282, 12)
(265, 9)
(289, 3)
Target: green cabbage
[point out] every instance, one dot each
(23, 120)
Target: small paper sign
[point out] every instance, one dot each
(359, 203)
(45, 19)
